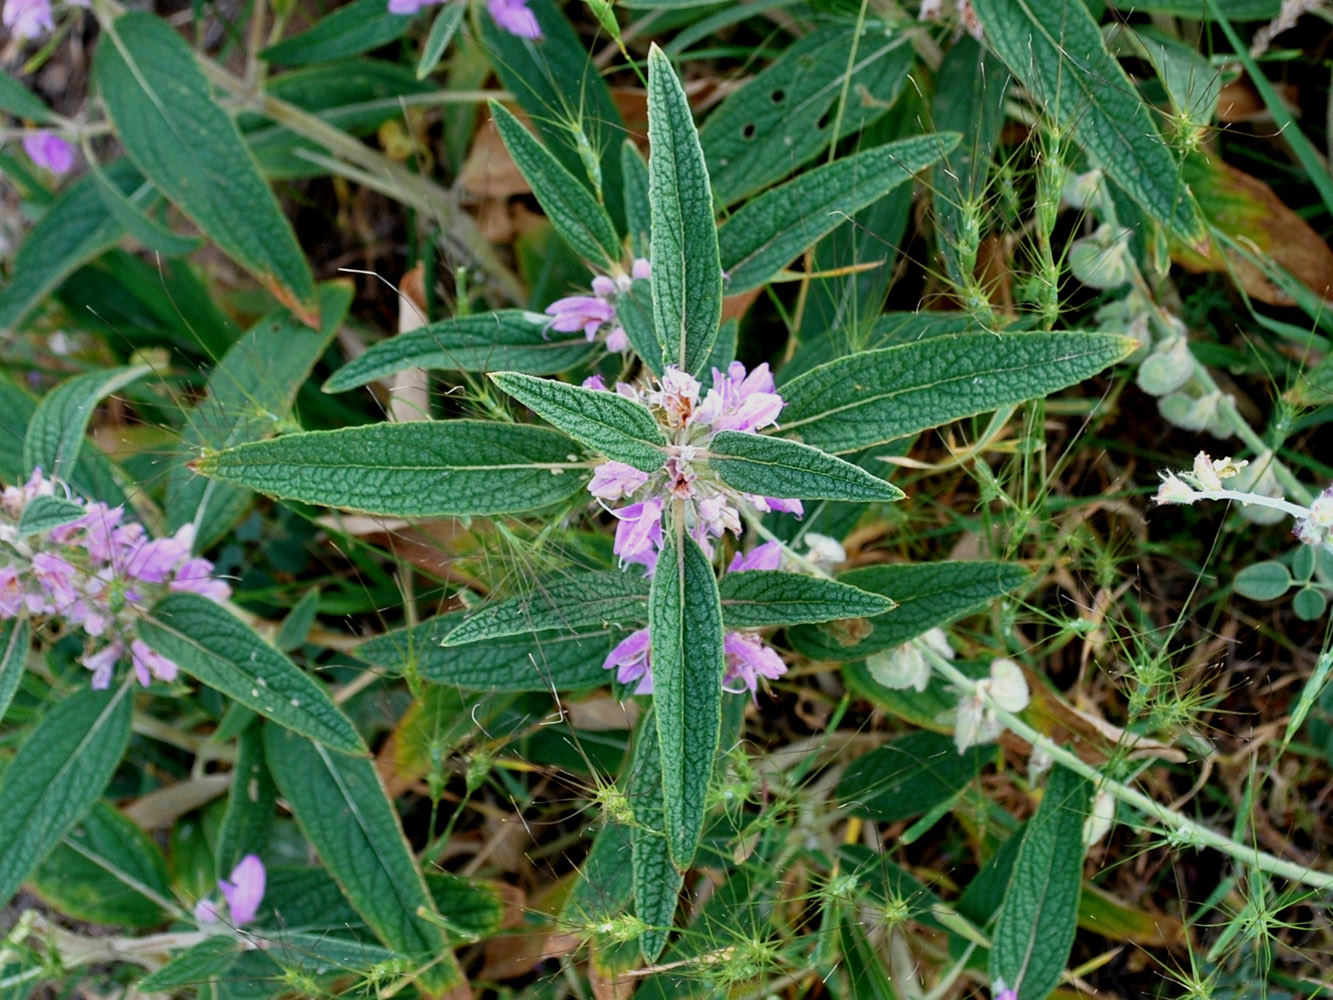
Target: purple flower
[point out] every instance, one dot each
(614, 480)
(56, 578)
(196, 576)
(580, 312)
(594, 314)
(617, 339)
(155, 561)
(514, 17)
(244, 890)
(101, 663)
(766, 556)
(46, 149)
(28, 19)
(639, 533)
(748, 659)
(11, 592)
(630, 661)
(766, 504)
(741, 402)
(511, 15)
(149, 664)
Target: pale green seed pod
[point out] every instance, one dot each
(1188, 413)
(1102, 259)
(1168, 368)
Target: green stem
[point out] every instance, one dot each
(1196, 833)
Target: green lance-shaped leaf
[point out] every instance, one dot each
(442, 31)
(876, 396)
(768, 232)
(638, 211)
(910, 776)
(685, 625)
(634, 311)
(358, 27)
(56, 431)
(93, 474)
(207, 962)
(1056, 49)
(577, 602)
(607, 422)
(687, 273)
(775, 467)
(44, 513)
(15, 641)
(569, 205)
(928, 594)
(342, 809)
(509, 339)
(249, 814)
(1037, 921)
(106, 871)
(553, 661)
(657, 882)
(185, 143)
(75, 228)
(218, 649)
(559, 85)
(419, 469)
(58, 773)
(21, 102)
(139, 224)
(250, 396)
(759, 598)
(782, 118)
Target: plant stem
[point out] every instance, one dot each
(1196, 833)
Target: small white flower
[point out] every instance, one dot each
(823, 551)
(1174, 490)
(970, 727)
(977, 720)
(1204, 473)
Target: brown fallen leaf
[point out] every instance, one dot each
(1245, 209)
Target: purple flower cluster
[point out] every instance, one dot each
(740, 401)
(737, 402)
(99, 572)
(595, 314)
(511, 15)
(748, 659)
